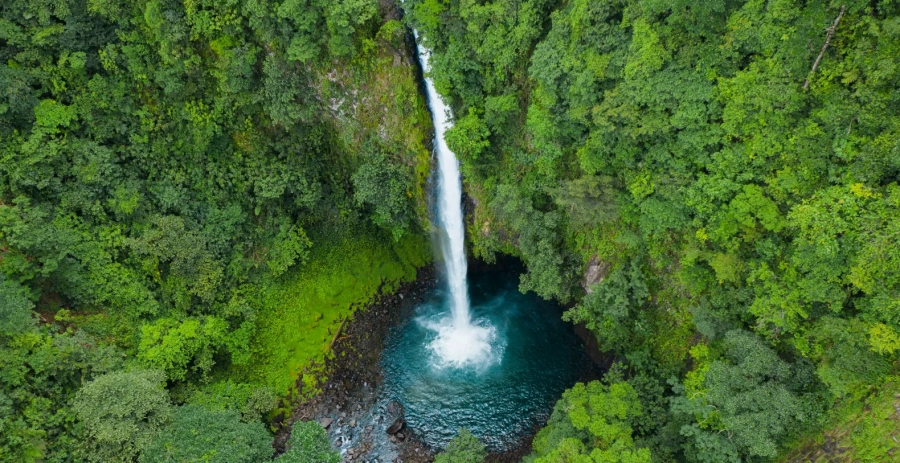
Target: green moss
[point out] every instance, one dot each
(301, 311)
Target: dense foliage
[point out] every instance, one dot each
(199, 434)
(195, 196)
(308, 444)
(167, 167)
(122, 412)
(464, 448)
(731, 167)
(592, 423)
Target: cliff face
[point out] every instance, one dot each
(377, 96)
(379, 133)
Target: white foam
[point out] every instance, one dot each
(473, 345)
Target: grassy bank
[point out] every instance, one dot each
(301, 311)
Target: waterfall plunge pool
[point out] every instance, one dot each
(535, 356)
(474, 354)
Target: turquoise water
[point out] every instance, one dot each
(536, 356)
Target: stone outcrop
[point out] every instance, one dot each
(595, 272)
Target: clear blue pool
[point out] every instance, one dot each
(536, 357)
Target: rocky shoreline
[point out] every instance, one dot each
(354, 374)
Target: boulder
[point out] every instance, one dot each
(397, 426)
(595, 272)
(395, 409)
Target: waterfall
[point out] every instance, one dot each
(450, 214)
(460, 341)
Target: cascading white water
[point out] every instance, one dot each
(449, 207)
(459, 341)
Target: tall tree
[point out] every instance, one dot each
(198, 434)
(122, 413)
(591, 423)
(308, 443)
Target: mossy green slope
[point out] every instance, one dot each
(301, 311)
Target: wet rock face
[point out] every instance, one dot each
(395, 410)
(595, 273)
(397, 426)
(389, 10)
(396, 415)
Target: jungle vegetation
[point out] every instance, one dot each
(195, 194)
(732, 169)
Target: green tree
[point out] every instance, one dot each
(41, 371)
(549, 273)
(591, 423)
(342, 18)
(252, 402)
(382, 185)
(122, 413)
(308, 444)
(284, 90)
(612, 310)
(189, 269)
(182, 346)
(198, 434)
(468, 137)
(15, 308)
(845, 360)
(464, 448)
(751, 394)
